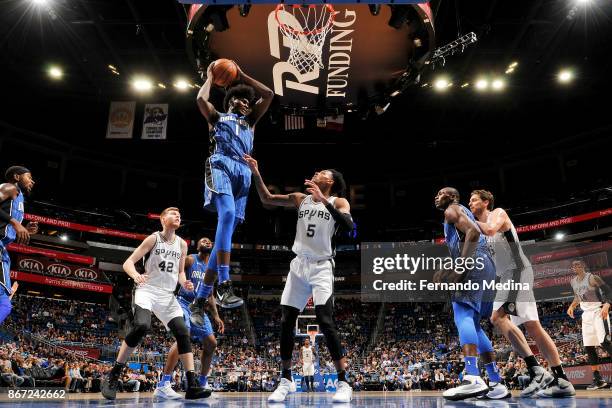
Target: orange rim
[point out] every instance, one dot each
(284, 26)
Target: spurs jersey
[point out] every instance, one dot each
(315, 230)
(162, 265)
(588, 295)
(506, 250)
(307, 355)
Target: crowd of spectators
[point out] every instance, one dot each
(415, 347)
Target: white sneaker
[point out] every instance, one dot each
(540, 381)
(497, 391)
(166, 392)
(344, 392)
(471, 386)
(559, 388)
(280, 393)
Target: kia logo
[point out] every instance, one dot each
(59, 270)
(31, 265)
(85, 273)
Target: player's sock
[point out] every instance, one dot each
(287, 374)
(204, 291)
(191, 379)
(117, 368)
(597, 375)
(165, 379)
(493, 372)
(531, 362)
(471, 365)
(342, 375)
(223, 273)
(558, 372)
(203, 379)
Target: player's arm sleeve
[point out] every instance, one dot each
(341, 215)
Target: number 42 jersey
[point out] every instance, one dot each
(315, 230)
(162, 265)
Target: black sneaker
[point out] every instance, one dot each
(226, 298)
(109, 387)
(194, 393)
(198, 311)
(597, 384)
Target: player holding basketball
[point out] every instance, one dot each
(228, 178)
(594, 297)
(470, 307)
(19, 183)
(321, 214)
(307, 357)
(513, 308)
(195, 266)
(154, 293)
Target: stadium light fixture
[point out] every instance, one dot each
(142, 84)
(559, 236)
(55, 72)
(565, 76)
(181, 84)
(482, 84)
(442, 84)
(498, 84)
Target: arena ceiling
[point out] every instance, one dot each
(422, 132)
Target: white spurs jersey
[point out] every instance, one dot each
(162, 265)
(315, 230)
(506, 250)
(307, 355)
(588, 295)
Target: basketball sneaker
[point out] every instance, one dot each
(497, 391)
(280, 393)
(471, 386)
(194, 393)
(558, 388)
(344, 392)
(597, 384)
(109, 387)
(540, 380)
(164, 391)
(226, 298)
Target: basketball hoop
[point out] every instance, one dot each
(306, 27)
(312, 330)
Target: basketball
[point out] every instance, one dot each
(224, 72)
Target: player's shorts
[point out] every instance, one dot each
(198, 333)
(5, 276)
(524, 301)
(308, 369)
(161, 303)
(308, 277)
(480, 300)
(226, 175)
(593, 328)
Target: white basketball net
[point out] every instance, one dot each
(306, 27)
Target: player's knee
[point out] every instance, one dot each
(226, 215)
(592, 355)
(289, 315)
(497, 318)
(325, 316)
(139, 330)
(178, 327)
(209, 344)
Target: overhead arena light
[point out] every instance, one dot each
(465, 85)
(161, 85)
(55, 72)
(181, 84)
(513, 65)
(498, 84)
(482, 84)
(142, 84)
(39, 2)
(509, 70)
(565, 76)
(559, 236)
(442, 84)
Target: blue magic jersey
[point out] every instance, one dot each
(232, 136)
(196, 275)
(453, 239)
(13, 207)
